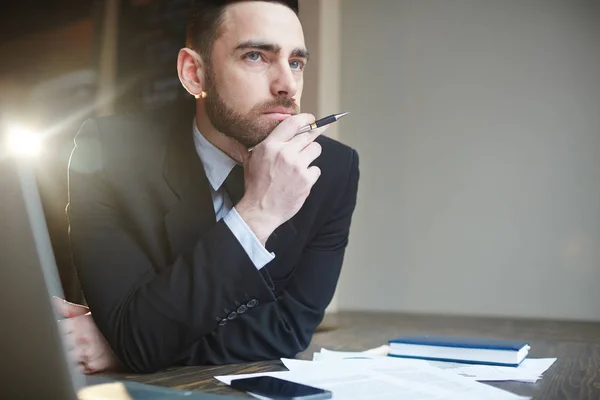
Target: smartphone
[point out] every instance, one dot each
(279, 389)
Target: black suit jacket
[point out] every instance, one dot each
(169, 285)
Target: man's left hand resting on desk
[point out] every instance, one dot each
(86, 346)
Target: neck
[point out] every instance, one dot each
(234, 149)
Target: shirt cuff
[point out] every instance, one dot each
(259, 255)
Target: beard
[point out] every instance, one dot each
(248, 129)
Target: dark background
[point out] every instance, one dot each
(49, 69)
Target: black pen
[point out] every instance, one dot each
(322, 122)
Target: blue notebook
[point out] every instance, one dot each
(471, 350)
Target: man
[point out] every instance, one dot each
(219, 238)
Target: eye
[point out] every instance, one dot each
(297, 65)
(253, 56)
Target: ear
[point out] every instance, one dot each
(190, 69)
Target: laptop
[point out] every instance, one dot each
(33, 360)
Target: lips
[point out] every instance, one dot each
(280, 110)
(279, 113)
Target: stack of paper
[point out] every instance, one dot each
(530, 370)
(383, 378)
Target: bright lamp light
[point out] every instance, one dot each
(23, 141)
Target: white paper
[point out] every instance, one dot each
(385, 379)
(385, 362)
(327, 355)
(530, 370)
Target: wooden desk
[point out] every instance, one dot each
(575, 374)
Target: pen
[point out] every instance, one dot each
(319, 123)
(322, 122)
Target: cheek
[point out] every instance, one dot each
(299, 91)
(241, 92)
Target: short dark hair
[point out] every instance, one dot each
(204, 24)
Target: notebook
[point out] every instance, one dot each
(471, 350)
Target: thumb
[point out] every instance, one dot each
(67, 309)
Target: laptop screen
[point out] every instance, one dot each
(33, 354)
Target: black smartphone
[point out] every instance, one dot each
(279, 389)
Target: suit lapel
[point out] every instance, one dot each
(193, 211)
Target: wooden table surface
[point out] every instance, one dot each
(576, 345)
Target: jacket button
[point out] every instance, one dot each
(252, 303)
(242, 309)
(232, 315)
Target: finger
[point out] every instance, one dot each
(309, 154)
(90, 368)
(77, 355)
(301, 140)
(66, 326)
(290, 127)
(95, 365)
(314, 173)
(67, 336)
(74, 327)
(68, 309)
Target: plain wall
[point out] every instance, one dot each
(321, 25)
(478, 128)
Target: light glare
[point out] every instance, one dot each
(23, 141)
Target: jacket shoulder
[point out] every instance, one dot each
(119, 129)
(134, 139)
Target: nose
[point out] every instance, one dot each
(284, 81)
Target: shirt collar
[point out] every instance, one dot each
(217, 164)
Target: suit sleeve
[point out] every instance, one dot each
(149, 316)
(284, 327)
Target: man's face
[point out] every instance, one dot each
(254, 79)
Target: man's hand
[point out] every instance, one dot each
(86, 345)
(278, 175)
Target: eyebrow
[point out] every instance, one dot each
(299, 52)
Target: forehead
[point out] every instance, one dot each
(259, 20)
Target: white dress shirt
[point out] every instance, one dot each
(217, 166)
